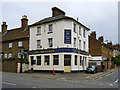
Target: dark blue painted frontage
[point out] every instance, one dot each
(58, 50)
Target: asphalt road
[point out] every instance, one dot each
(13, 81)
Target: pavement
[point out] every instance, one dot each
(65, 76)
(108, 79)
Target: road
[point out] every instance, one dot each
(23, 81)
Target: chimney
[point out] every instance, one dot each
(101, 39)
(56, 12)
(93, 34)
(109, 43)
(24, 21)
(4, 27)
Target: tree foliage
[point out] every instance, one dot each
(117, 60)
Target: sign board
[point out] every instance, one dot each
(98, 63)
(104, 58)
(67, 36)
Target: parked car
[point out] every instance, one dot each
(92, 69)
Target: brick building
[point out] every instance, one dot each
(14, 39)
(98, 49)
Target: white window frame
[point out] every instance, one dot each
(38, 44)
(39, 30)
(50, 29)
(10, 45)
(84, 33)
(79, 44)
(50, 42)
(20, 44)
(74, 27)
(19, 56)
(9, 55)
(74, 42)
(5, 55)
(84, 45)
(80, 28)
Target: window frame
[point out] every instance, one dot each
(50, 42)
(38, 60)
(50, 28)
(48, 61)
(20, 44)
(54, 59)
(38, 47)
(39, 30)
(75, 59)
(74, 43)
(10, 45)
(74, 28)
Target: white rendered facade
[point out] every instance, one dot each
(57, 35)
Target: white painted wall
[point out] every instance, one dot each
(57, 35)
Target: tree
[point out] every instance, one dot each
(117, 60)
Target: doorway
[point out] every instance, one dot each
(67, 63)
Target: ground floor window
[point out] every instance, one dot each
(33, 62)
(10, 55)
(75, 59)
(55, 59)
(67, 60)
(5, 55)
(47, 58)
(80, 60)
(38, 60)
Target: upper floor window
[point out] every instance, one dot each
(10, 55)
(84, 45)
(79, 44)
(38, 43)
(74, 27)
(38, 30)
(84, 33)
(50, 28)
(50, 42)
(20, 43)
(79, 30)
(10, 45)
(74, 42)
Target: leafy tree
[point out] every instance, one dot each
(117, 60)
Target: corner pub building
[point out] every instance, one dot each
(58, 42)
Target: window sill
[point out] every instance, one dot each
(38, 34)
(50, 32)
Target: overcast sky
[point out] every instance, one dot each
(102, 17)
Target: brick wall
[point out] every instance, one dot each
(94, 47)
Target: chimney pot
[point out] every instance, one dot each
(101, 39)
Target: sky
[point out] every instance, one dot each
(101, 17)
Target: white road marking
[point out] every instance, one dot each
(114, 82)
(34, 87)
(9, 83)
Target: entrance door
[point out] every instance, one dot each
(83, 63)
(67, 63)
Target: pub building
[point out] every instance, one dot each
(58, 42)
